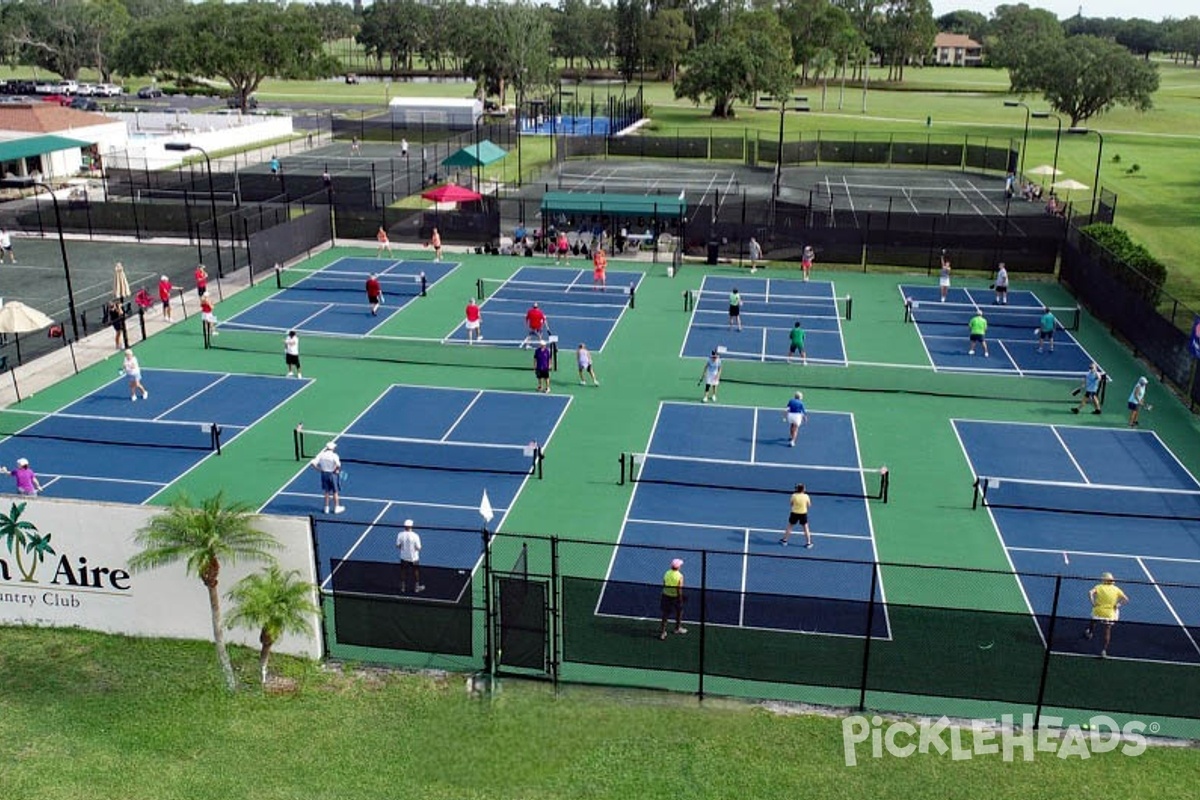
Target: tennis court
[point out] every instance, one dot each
(105, 447)
(719, 479)
(428, 454)
(576, 309)
(1078, 501)
(332, 300)
(1012, 336)
(770, 308)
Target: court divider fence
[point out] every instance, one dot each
(882, 636)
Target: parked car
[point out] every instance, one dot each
(351, 78)
(46, 88)
(21, 87)
(61, 99)
(67, 87)
(109, 90)
(85, 104)
(235, 101)
(149, 92)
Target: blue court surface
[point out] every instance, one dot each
(427, 454)
(105, 447)
(1079, 501)
(576, 310)
(565, 125)
(770, 309)
(1011, 334)
(741, 457)
(334, 300)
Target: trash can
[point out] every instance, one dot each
(714, 251)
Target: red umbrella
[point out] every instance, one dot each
(451, 193)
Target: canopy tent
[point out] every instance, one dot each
(662, 206)
(477, 155)
(451, 193)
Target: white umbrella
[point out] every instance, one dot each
(1070, 184)
(16, 317)
(120, 282)
(1044, 169)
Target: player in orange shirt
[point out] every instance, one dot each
(599, 265)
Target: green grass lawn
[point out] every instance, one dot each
(139, 718)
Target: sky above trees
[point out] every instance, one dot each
(1154, 10)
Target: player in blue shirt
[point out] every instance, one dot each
(795, 416)
(1091, 389)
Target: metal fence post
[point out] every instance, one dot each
(866, 662)
(1037, 718)
(703, 622)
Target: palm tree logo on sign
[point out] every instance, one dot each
(22, 539)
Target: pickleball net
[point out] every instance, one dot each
(927, 312)
(742, 476)
(783, 304)
(352, 282)
(613, 293)
(397, 451)
(123, 432)
(375, 348)
(1087, 499)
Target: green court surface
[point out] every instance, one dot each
(902, 411)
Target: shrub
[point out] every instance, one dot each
(1132, 263)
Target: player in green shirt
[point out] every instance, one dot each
(978, 328)
(796, 343)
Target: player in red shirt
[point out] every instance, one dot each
(535, 320)
(374, 294)
(164, 296)
(474, 323)
(201, 280)
(206, 314)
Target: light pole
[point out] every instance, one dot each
(1025, 139)
(183, 147)
(1099, 155)
(1057, 136)
(25, 182)
(779, 155)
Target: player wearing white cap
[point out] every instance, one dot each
(329, 465)
(409, 545)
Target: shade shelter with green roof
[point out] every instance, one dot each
(642, 216)
(477, 155)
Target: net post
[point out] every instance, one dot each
(297, 444)
(424, 281)
(687, 300)
(215, 432)
(1037, 714)
(554, 355)
(278, 277)
(206, 336)
(182, 301)
(555, 612)
(849, 308)
(1103, 386)
(538, 458)
(885, 484)
(621, 462)
(866, 662)
(703, 622)
(488, 642)
(632, 296)
(479, 289)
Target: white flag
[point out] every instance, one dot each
(485, 508)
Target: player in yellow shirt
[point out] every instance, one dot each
(1107, 599)
(801, 503)
(671, 601)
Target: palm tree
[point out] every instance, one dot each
(275, 602)
(21, 535)
(203, 537)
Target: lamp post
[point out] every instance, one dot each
(1025, 139)
(779, 155)
(1099, 155)
(183, 147)
(1057, 135)
(25, 182)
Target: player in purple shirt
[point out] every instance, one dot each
(541, 367)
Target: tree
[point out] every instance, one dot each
(907, 33)
(204, 538)
(753, 55)
(21, 537)
(667, 38)
(1020, 37)
(1141, 36)
(630, 47)
(242, 43)
(1183, 37)
(275, 602)
(968, 23)
(1086, 76)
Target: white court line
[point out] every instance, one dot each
(745, 568)
(190, 398)
(754, 437)
(346, 557)
(459, 418)
(1174, 615)
(983, 195)
(850, 199)
(1070, 455)
(1101, 554)
(763, 531)
(908, 197)
(95, 479)
(1016, 367)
